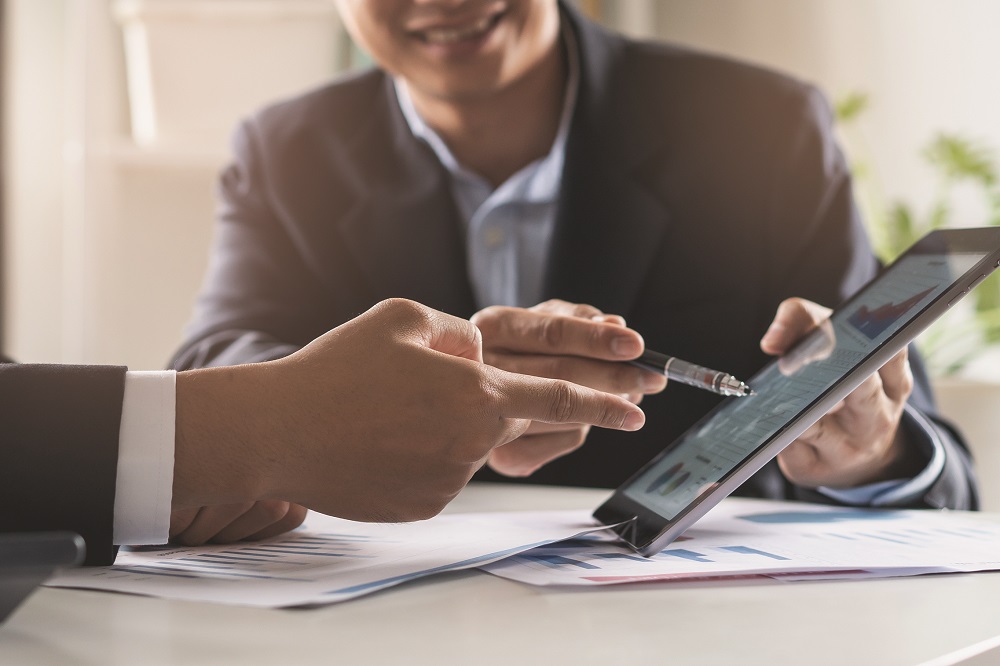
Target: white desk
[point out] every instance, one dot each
(474, 618)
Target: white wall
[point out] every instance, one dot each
(104, 254)
(929, 66)
(108, 238)
(34, 137)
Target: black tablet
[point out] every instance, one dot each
(737, 438)
(27, 559)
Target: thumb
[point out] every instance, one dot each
(453, 336)
(428, 327)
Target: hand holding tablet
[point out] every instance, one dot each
(736, 439)
(859, 441)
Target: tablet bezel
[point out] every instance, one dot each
(648, 532)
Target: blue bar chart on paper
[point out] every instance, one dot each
(327, 559)
(754, 538)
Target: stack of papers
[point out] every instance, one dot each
(329, 560)
(743, 538)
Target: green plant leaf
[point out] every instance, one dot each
(958, 158)
(902, 232)
(851, 106)
(950, 344)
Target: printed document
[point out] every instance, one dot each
(327, 559)
(743, 538)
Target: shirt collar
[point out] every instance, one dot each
(536, 182)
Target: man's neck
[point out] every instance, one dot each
(498, 134)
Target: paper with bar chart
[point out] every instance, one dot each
(743, 538)
(327, 559)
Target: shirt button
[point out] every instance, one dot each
(494, 237)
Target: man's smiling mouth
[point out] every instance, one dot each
(458, 33)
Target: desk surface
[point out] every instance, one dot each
(472, 617)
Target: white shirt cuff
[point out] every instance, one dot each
(145, 459)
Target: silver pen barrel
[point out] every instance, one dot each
(691, 374)
(695, 375)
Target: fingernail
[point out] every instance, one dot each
(634, 421)
(625, 346)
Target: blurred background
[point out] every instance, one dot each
(116, 117)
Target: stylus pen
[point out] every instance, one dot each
(675, 369)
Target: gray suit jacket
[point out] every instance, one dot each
(698, 193)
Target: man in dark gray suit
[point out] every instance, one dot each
(383, 419)
(506, 153)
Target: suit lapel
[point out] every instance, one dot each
(609, 224)
(404, 229)
(609, 229)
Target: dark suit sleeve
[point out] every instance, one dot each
(59, 452)
(817, 227)
(258, 297)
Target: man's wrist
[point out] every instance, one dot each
(218, 430)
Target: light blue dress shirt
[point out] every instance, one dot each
(509, 229)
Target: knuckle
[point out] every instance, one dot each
(552, 332)
(583, 310)
(471, 332)
(610, 416)
(475, 335)
(402, 306)
(403, 310)
(596, 337)
(562, 401)
(482, 392)
(551, 305)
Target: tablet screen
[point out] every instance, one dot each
(711, 451)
